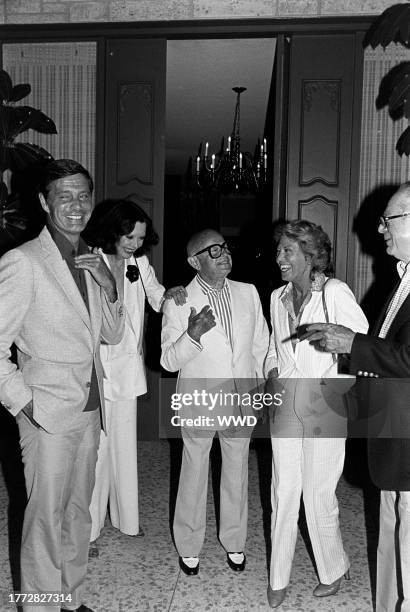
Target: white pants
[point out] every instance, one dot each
(393, 552)
(190, 509)
(59, 471)
(311, 466)
(116, 476)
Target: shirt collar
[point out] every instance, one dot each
(316, 284)
(67, 251)
(206, 288)
(402, 268)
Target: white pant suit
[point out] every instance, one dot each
(312, 467)
(116, 477)
(116, 473)
(308, 438)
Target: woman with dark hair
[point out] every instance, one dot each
(123, 231)
(308, 429)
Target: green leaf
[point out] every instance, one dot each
(18, 119)
(400, 92)
(23, 154)
(19, 92)
(6, 86)
(3, 193)
(391, 26)
(403, 143)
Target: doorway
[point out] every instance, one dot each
(200, 108)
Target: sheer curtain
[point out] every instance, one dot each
(380, 164)
(62, 78)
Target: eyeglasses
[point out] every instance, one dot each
(132, 273)
(215, 250)
(383, 220)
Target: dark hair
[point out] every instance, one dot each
(60, 168)
(112, 219)
(312, 240)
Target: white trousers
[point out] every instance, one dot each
(190, 509)
(393, 553)
(116, 476)
(311, 466)
(59, 471)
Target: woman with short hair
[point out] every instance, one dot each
(308, 429)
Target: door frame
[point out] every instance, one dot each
(281, 29)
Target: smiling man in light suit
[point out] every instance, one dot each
(57, 301)
(219, 335)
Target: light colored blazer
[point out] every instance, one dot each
(305, 361)
(241, 364)
(312, 390)
(43, 313)
(124, 368)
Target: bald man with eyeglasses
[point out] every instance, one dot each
(217, 341)
(381, 361)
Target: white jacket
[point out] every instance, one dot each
(124, 367)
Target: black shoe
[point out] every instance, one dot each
(189, 571)
(82, 608)
(236, 567)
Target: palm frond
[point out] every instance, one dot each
(403, 143)
(6, 86)
(391, 26)
(400, 92)
(19, 92)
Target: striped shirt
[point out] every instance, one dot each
(220, 302)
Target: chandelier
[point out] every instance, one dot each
(230, 170)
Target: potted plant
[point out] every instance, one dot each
(393, 25)
(18, 158)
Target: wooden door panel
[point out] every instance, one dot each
(320, 135)
(134, 155)
(135, 127)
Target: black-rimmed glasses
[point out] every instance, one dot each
(215, 250)
(384, 219)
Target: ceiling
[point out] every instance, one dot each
(200, 102)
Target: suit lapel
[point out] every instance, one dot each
(130, 293)
(63, 276)
(131, 297)
(236, 315)
(401, 316)
(379, 322)
(94, 305)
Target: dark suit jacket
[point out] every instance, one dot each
(383, 366)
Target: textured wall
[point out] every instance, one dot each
(72, 11)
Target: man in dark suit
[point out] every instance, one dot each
(57, 301)
(383, 360)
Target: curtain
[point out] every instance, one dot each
(62, 78)
(380, 164)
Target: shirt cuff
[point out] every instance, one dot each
(197, 344)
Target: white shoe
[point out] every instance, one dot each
(191, 562)
(189, 565)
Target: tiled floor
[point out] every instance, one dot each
(138, 574)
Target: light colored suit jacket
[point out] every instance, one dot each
(216, 361)
(123, 363)
(312, 400)
(43, 313)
